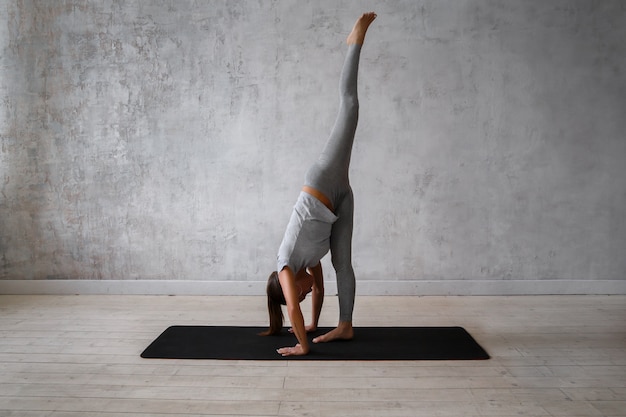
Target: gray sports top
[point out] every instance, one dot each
(307, 237)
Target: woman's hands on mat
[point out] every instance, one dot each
(309, 328)
(317, 295)
(292, 297)
(295, 290)
(297, 350)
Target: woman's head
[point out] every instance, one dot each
(275, 299)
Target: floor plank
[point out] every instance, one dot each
(68, 356)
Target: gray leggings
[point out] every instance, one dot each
(329, 175)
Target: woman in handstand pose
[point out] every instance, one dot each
(322, 220)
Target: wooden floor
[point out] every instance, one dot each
(79, 356)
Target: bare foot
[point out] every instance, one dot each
(343, 331)
(360, 27)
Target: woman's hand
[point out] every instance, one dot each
(309, 328)
(297, 350)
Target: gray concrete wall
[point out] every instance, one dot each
(167, 140)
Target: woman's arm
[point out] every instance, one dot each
(317, 296)
(292, 297)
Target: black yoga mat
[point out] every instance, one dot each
(369, 343)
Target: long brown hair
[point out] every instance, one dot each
(275, 299)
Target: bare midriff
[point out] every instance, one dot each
(319, 195)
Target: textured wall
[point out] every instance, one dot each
(168, 139)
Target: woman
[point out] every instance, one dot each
(322, 220)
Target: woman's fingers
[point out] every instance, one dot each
(291, 351)
(310, 328)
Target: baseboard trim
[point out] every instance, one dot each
(411, 288)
